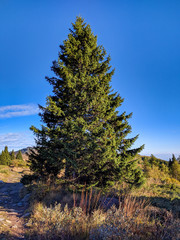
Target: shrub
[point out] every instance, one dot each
(55, 223)
(130, 221)
(18, 163)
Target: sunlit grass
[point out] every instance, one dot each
(132, 219)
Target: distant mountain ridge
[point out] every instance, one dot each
(25, 152)
(162, 156)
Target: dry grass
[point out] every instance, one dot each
(61, 213)
(12, 173)
(85, 216)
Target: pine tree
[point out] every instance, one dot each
(153, 160)
(173, 158)
(13, 155)
(8, 157)
(3, 160)
(175, 170)
(170, 163)
(83, 132)
(178, 159)
(19, 155)
(5, 157)
(174, 167)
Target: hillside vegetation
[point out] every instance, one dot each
(12, 159)
(61, 211)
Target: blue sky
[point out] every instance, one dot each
(142, 38)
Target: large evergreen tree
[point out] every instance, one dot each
(83, 131)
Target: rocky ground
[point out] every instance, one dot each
(13, 207)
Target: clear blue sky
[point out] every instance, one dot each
(143, 39)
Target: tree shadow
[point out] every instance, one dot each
(162, 205)
(11, 207)
(9, 236)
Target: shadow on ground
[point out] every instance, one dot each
(11, 210)
(164, 203)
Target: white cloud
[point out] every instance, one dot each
(16, 141)
(18, 110)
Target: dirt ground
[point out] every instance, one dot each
(13, 205)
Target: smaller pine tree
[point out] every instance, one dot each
(8, 157)
(19, 155)
(173, 158)
(170, 163)
(174, 168)
(178, 159)
(5, 157)
(153, 160)
(13, 155)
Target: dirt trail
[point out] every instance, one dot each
(12, 209)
